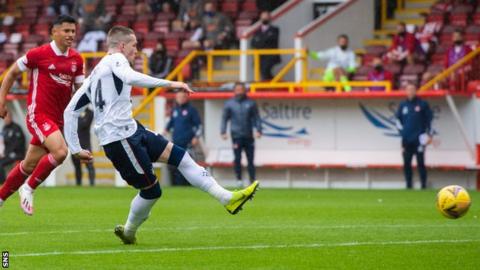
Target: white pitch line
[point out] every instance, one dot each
(276, 227)
(252, 247)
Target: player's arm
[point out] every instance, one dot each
(10, 77)
(77, 105)
(126, 73)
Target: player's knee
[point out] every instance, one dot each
(28, 166)
(60, 154)
(151, 193)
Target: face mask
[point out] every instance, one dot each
(458, 42)
(378, 68)
(344, 47)
(266, 22)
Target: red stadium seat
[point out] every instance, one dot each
(231, 8)
(42, 29)
(128, 9)
(172, 44)
(111, 9)
(394, 68)
(413, 69)
(161, 26)
(436, 16)
(165, 16)
(10, 48)
(376, 49)
(23, 29)
(250, 5)
(476, 18)
(459, 19)
(363, 70)
(142, 27)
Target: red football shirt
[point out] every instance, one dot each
(53, 74)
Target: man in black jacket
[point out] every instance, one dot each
(414, 119)
(84, 122)
(242, 113)
(14, 141)
(266, 38)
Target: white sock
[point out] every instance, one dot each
(28, 187)
(139, 212)
(1, 202)
(200, 178)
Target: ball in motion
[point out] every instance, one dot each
(453, 201)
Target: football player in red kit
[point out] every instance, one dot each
(55, 70)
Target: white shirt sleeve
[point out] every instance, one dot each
(22, 63)
(126, 73)
(77, 105)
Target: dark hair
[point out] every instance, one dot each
(241, 84)
(64, 19)
(342, 36)
(458, 31)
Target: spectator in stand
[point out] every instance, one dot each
(93, 15)
(217, 27)
(190, 9)
(458, 50)
(142, 8)
(379, 74)
(157, 6)
(427, 37)
(14, 141)
(60, 7)
(160, 63)
(266, 38)
(196, 34)
(341, 62)
(403, 46)
(186, 128)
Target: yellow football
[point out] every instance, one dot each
(453, 201)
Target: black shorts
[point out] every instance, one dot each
(133, 156)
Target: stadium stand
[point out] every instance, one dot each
(445, 16)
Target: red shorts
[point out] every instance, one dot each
(40, 126)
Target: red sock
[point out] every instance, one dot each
(43, 169)
(14, 180)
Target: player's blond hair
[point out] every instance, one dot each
(119, 34)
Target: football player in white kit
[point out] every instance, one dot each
(130, 147)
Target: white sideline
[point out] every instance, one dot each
(252, 247)
(276, 227)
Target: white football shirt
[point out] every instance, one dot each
(108, 88)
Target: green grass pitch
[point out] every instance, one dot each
(280, 229)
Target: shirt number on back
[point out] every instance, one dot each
(99, 101)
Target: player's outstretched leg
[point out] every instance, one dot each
(200, 177)
(140, 208)
(57, 154)
(14, 180)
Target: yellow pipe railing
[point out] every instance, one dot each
(337, 85)
(175, 72)
(446, 73)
